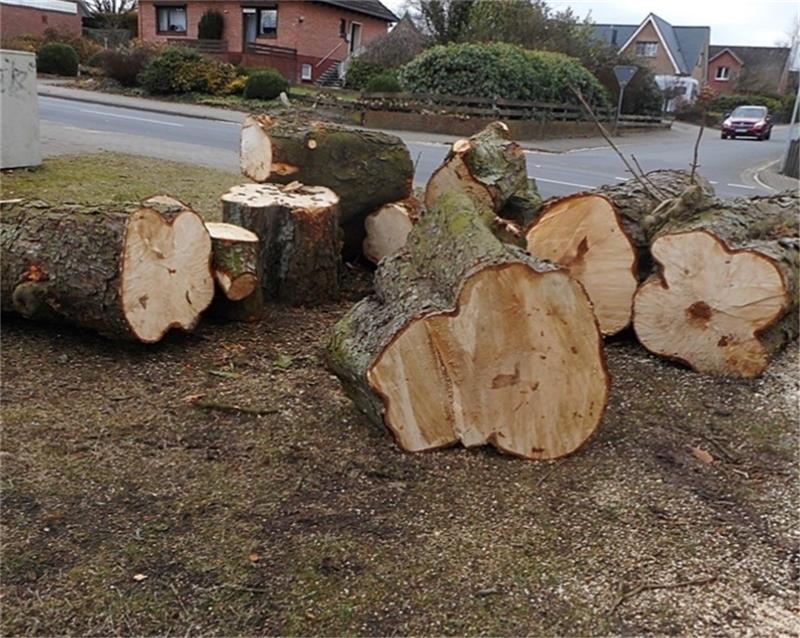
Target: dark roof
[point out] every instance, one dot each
(374, 8)
(685, 44)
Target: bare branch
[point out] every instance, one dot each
(653, 193)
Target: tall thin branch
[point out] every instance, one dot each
(644, 175)
(697, 147)
(653, 193)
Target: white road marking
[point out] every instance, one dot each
(711, 181)
(758, 172)
(750, 188)
(131, 117)
(621, 179)
(555, 181)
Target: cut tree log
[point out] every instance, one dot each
(489, 167)
(127, 271)
(726, 296)
(472, 340)
(299, 230)
(366, 169)
(584, 234)
(388, 227)
(236, 252)
(635, 206)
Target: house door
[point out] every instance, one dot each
(355, 37)
(250, 25)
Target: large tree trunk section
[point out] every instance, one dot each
(584, 234)
(388, 227)
(726, 296)
(366, 169)
(523, 207)
(635, 205)
(126, 271)
(489, 167)
(236, 252)
(468, 339)
(299, 230)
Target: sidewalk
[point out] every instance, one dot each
(55, 90)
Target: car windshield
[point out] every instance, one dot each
(749, 111)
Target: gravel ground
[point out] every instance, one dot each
(131, 509)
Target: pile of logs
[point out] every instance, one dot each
(490, 306)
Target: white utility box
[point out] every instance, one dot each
(19, 110)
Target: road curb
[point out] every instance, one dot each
(98, 99)
(771, 180)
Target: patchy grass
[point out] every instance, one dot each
(309, 520)
(117, 177)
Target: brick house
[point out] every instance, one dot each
(34, 17)
(305, 40)
(677, 55)
(734, 69)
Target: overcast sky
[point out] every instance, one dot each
(742, 22)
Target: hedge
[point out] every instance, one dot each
(501, 70)
(265, 85)
(57, 58)
(184, 70)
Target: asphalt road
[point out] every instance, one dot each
(729, 164)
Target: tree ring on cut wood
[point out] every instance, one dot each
(235, 259)
(709, 305)
(166, 279)
(584, 234)
(513, 365)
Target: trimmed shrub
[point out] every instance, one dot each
(501, 70)
(236, 85)
(125, 65)
(57, 58)
(265, 85)
(96, 61)
(84, 47)
(360, 72)
(385, 82)
(183, 70)
(210, 26)
(29, 43)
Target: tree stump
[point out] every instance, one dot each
(472, 340)
(725, 297)
(366, 169)
(299, 232)
(388, 227)
(127, 271)
(584, 234)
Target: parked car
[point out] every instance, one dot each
(749, 121)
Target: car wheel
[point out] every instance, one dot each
(768, 135)
(723, 136)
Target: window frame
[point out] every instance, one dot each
(274, 33)
(171, 7)
(645, 44)
(722, 77)
(303, 68)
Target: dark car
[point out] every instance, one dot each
(749, 121)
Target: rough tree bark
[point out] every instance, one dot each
(388, 227)
(489, 167)
(366, 169)
(584, 234)
(299, 232)
(726, 295)
(127, 271)
(235, 262)
(635, 205)
(469, 339)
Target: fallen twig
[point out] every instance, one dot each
(642, 587)
(654, 194)
(227, 407)
(644, 176)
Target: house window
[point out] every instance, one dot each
(723, 73)
(305, 72)
(343, 28)
(268, 23)
(647, 49)
(171, 19)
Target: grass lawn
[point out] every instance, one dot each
(129, 508)
(117, 177)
